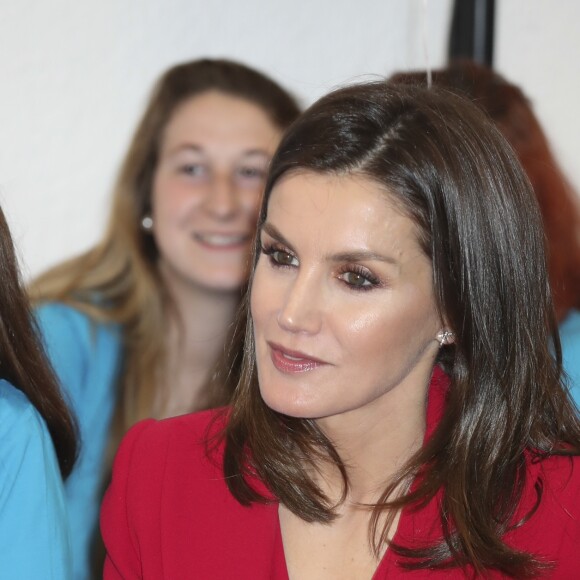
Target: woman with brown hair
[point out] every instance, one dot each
(38, 440)
(399, 412)
(509, 108)
(135, 326)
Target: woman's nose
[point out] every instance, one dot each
(301, 311)
(222, 199)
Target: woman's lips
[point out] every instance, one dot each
(290, 361)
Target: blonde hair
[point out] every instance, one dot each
(117, 280)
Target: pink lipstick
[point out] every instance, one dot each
(291, 361)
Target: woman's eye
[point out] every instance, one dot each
(251, 173)
(193, 169)
(283, 258)
(358, 281)
(354, 279)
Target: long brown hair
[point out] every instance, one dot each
(508, 106)
(117, 280)
(478, 222)
(22, 359)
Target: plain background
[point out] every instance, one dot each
(75, 75)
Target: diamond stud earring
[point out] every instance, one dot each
(444, 337)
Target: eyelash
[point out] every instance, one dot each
(373, 282)
(271, 249)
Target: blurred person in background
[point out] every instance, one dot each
(511, 110)
(135, 326)
(38, 438)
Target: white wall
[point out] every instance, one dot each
(538, 48)
(74, 76)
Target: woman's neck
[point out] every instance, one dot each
(376, 444)
(373, 443)
(198, 323)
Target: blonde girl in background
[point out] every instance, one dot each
(135, 326)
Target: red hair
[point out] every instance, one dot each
(509, 108)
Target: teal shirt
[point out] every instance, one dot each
(85, 356)
(34, 536)
(570, 338)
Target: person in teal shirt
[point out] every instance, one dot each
(570, 339)
(85, 356)
(34, 536)
(37, 441)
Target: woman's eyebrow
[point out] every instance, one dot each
(275, 233)
(361, 256)
(256, 153)
(185, 147)
(348, 256)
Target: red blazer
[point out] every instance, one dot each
(168, 513)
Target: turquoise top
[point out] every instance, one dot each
(85, 356)
(570, 337)
(34, 537)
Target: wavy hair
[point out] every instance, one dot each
(456, 177)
